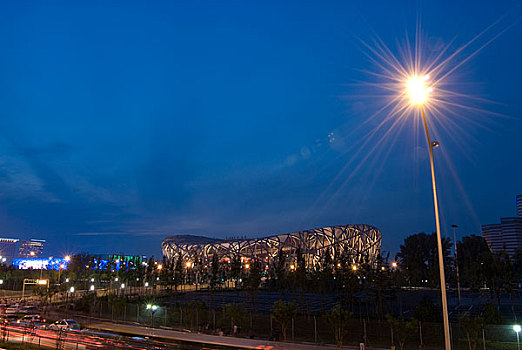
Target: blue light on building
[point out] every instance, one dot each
(41, 264)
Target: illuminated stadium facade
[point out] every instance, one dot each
(357, 243)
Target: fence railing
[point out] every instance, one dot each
(305, 328)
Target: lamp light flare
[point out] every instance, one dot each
(417, 89)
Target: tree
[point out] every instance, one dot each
(517, 265)
(235, 269)
(474, 257)
(492, 314)
(79, 264)
(419, 260)
(280, 270)
(283, 314)
(253, 278)
(473, 327)
(178, 273)
(214, 272)
(325, 276)
(234, 314)
(338, 319)
(500, 275)
(427, 311)
(300, 271)
(401, 329)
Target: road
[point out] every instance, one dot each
(244, 343)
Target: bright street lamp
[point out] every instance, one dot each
(418, 92)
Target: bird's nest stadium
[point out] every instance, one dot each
(358, 242)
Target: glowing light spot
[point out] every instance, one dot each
(417, 89)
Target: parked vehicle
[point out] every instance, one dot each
(65, 324)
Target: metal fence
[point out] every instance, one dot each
(305, 328)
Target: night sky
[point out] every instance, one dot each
(123, 122)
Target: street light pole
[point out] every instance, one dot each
(152, 309)
(447, 340)
(517, 330)
(456, 259)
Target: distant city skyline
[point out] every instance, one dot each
(507, 235)
(124, 123)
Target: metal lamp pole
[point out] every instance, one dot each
(431, 144)
(456, 259)
(517, 330)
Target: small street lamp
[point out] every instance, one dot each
(153, 308)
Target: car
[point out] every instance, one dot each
(12, 318)
(29, 310)
(13, 309)
(32, 320)
(65, 324)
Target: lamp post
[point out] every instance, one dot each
(456, 259)
(418, 92)
(517, 329)
(152, 308)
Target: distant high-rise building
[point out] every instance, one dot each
(32, 248)
(507, 235)
(7, 250)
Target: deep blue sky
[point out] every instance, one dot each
(123, 122)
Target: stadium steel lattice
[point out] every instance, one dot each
(358, 242)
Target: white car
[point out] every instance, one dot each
(65, 324)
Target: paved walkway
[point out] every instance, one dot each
(243, 343)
